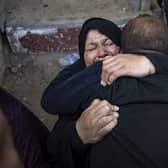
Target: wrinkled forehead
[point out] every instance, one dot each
(94, 35)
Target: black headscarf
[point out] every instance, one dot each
(104, 26)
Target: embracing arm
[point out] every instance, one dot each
(65, 97)
(134, 65)
(127, 90)
(70, 93)
(50, 94)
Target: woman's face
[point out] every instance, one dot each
(97, 47)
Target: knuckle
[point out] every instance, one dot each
(107, 108)
(108, 71)
(105, 69)
(105, 102)
(95, 101)
(115, 74)
(105, 119)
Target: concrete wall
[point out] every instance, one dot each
(3, 14)
(2, 63)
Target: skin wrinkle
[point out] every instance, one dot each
(98, 46)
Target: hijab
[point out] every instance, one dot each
(104, 26)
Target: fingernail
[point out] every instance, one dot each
(116, 108)
(103, 83)
(109, 83)
(116, 114)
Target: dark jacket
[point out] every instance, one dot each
(139, 139)
(75, 83)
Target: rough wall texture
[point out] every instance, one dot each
(2, 64)
(3, 14)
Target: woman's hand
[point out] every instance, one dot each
(125, 65)
(96, 121)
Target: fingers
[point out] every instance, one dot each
(104, 75)
(109, 68)
(95, 118)
(116, 74)
(105, 120)
(107, 128)
(111, 74)
(117, 66)
(125, 65)
(105, 114)
(101, 107)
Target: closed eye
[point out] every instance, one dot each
(108, 42)
(91, 47)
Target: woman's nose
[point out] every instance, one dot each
(101, 51)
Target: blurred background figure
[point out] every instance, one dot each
(8, 155)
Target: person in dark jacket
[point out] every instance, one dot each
(139, 139)
(65, 145)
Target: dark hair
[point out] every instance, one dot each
(104, 26)
(145, 32)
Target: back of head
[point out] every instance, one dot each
(145, 32)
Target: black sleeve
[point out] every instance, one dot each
(127, 90)
(50, 94)
(64, 147)
(67, 95)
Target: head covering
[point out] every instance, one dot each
(104, 26)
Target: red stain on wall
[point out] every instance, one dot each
(61, 41)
